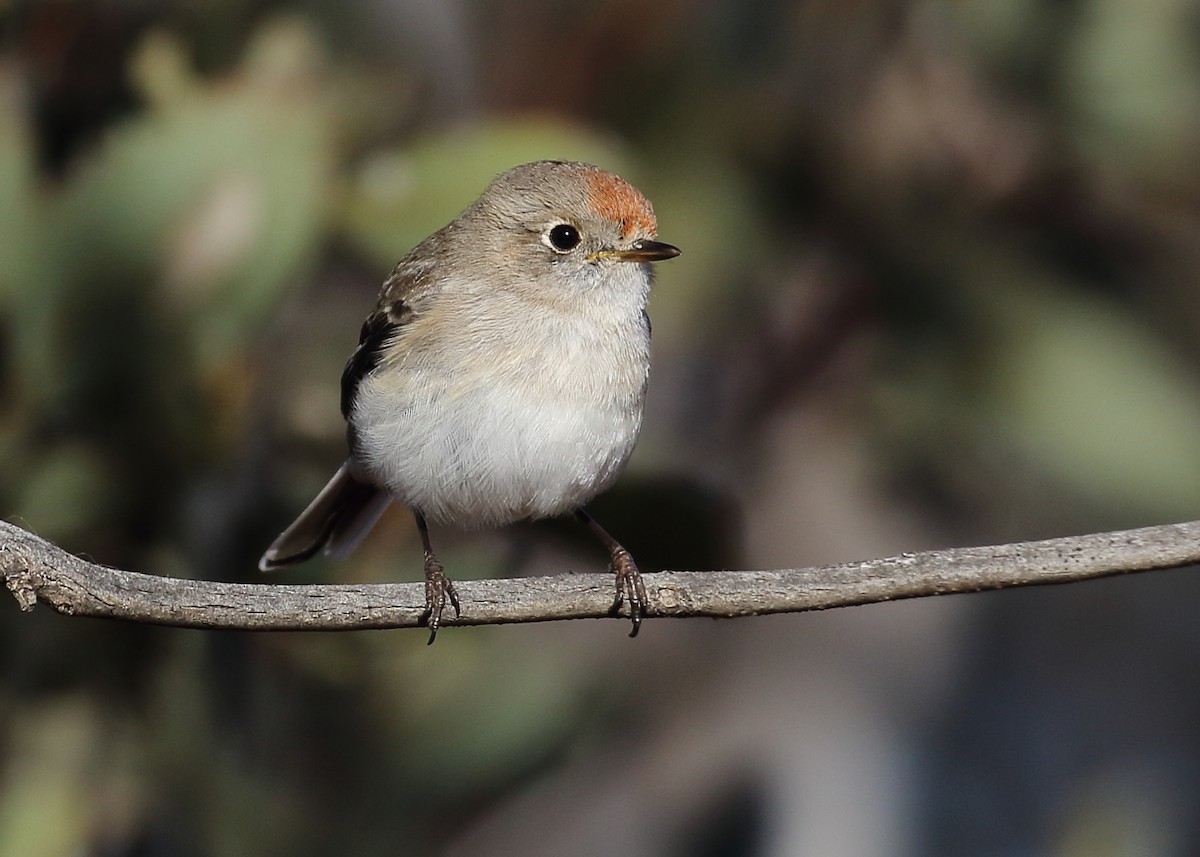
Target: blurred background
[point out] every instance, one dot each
(939, 287)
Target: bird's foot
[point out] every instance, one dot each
(438, 590)
(629, 586)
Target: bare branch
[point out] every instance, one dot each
(36, 570)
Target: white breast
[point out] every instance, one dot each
(507, 421)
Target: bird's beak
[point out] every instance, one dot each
(641, 251)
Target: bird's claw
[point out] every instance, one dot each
(629, 585)
(438, 590)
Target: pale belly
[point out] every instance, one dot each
(486, 455)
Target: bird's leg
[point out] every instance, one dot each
(629, 579)
(438, 587)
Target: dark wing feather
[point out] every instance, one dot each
(378, 331)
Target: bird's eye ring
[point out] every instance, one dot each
(562, 238)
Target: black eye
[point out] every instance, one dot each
(564, 237)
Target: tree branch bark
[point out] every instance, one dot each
(36, 570)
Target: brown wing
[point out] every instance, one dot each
(405, 284)
(378, 332)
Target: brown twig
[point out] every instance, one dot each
(36, 570)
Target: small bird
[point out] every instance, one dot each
(502, 375)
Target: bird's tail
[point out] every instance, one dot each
(334, 522)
